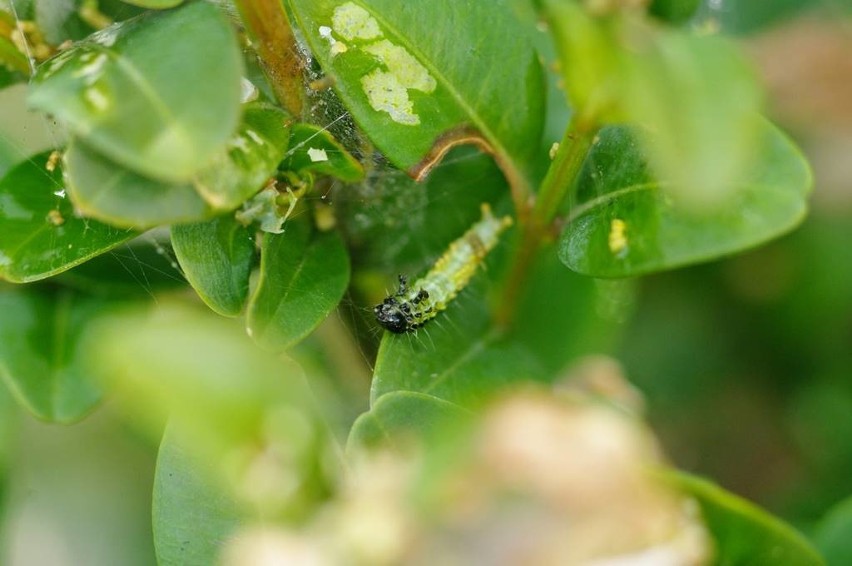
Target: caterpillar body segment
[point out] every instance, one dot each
(412, 306)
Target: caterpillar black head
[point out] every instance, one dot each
(392, 314)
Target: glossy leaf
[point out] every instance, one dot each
(39, 357)
(40, 234)
(743, 533)
(396, 416)
(834, 534)
(193, 517)
(314, 149)
(216, 257)
(159, 94)
(303, 276)
(252, 156)
(457, 357)
(623, 225)
(414, 92)
(103, 189)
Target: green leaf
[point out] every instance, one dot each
(103, 189)
(13, 63)
(159, 94)
(834, 535)
(702, 144)
(396, 224)
(744, 534)
(252, 157)
(303, 276)
(623, 225)
(673, 11)
(154, 4)
(396, 416)
(563, 316)
(216, 257)
(39, 357)
(414, 92)
(246, 412)
(457, 357)
(314, 149)
(41, 234)
(193, 517)
(140, 268)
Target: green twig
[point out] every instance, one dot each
(537, 230)
(272, 36)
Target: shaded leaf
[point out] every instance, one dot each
(398, 225)
(159, 94)
(396, 416)
(216, 257)
(411, 89)
(673, 11)
(251, 159)
(193, 517)
(303, 276)
(140, 268)
(14, 67)
(40, 234)
(744, 533)
(457, 357)
(103, 189)
(563, 316)
(39, 357)
(314, 149)
(622, 225)
(834, 534)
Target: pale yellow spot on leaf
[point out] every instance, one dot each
(618, 237)
(317, 155)
(386, 94)
(408, 70)
(351, 22)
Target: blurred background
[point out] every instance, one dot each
(746, 363)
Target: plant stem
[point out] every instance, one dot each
(269, 29)
(537, 230)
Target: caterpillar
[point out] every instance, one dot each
(412, 306)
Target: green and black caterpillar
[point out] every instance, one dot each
(412, 306)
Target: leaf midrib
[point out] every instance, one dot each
(496, 145)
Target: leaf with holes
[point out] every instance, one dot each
(39, 358)
(41, 233)
(159, 94)
(216, 257)
(416, 92)
(623, 225)
(303, 276)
